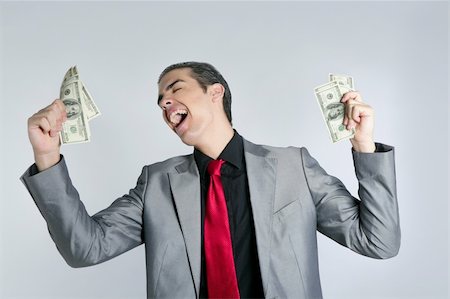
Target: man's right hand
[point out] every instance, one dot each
(43, 131)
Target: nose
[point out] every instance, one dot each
(165, 103)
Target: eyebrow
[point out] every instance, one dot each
(169, 87)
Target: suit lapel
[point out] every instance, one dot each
(261, 173)
(185, 187)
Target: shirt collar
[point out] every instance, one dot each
(233, 153)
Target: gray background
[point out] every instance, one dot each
(273, 55)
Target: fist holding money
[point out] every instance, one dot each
(43, 131)
(345, 114)
(360, 117)
(66, 120)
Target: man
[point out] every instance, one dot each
(264, 204)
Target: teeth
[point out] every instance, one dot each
(176, 116)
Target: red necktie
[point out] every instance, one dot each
(220, 270)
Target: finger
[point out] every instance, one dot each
(351, 124)
(62, 108)
(54, 132)
(365, 111)
(346, 118)
(356, 114)
(348, 114)
(353, 102)
(48, 123)
(49, 119)
(351, 95)
(348, 110)
(40, 121)
(50, 109)
(53, 116)
(58, 108)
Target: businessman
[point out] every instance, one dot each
(233, 219)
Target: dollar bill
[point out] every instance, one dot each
(76, 128)
(345, 81)
(91, 108)
(70, 74)
(329, 98)
(80, 108)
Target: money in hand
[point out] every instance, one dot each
(80, 108)
(329, 98)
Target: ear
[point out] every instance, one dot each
(217, 91)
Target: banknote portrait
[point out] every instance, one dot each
(73, 108)
(335, 111)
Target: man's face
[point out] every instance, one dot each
(186, 108)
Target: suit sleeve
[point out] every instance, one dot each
(369, 226)
(81, 239)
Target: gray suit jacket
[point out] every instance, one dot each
(291, 197)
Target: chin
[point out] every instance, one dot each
(186, 141)
(194, 135)
(189, 139)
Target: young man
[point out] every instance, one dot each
(233, 219)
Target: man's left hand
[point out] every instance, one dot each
(360, 116)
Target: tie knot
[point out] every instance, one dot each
(214, 167)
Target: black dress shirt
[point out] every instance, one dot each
(240, 216)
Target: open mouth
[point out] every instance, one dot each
(177, 117)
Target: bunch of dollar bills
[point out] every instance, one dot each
(329, 97)
(80, 108)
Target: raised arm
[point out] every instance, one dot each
(369, 225)
(81, 239)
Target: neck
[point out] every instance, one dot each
(215, 143)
